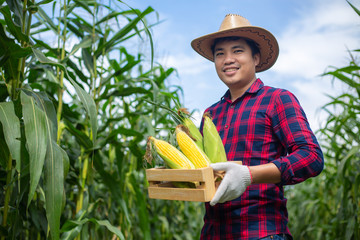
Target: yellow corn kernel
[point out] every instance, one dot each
(171, 155)
(193, 130)
(190, 149)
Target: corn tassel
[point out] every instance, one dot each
(190, 149)
(173, 157)
(213, 145)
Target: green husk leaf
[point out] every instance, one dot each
(213, 145)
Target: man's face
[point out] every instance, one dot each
(235, 64)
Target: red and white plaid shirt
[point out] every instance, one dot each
(265, 125)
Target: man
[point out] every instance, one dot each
(264, 127)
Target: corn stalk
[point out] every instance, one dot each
(59, 73)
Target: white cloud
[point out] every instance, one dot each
(318, 39)
(185, 64)
(312, 96)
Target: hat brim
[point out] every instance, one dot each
(268, 45)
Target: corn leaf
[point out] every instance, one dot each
(354, 8)
(13, 27)
(85, 5)
(142, 208)
(80, 136)
(10, 52)
(4, 150)
(70, 64)
(75, 30)
(123, 32)
(44, 2)
(77, 225)
(54, 161)
(71, 233)
(45, 104)
(85, 98)
(48, 21)
(54, 187)
(85, 43)
(55, 158)
(88, 60)
(11, 128)
(36, 135)
(108, 17)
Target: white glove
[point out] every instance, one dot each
(237, 178)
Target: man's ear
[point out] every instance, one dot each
(257, 59)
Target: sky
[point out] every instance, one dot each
(312, 35)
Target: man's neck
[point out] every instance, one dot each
(237, 91)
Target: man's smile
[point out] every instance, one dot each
(230, 69)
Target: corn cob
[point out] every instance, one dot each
(191, 149)
(213, 145)
(173, 157)
(193, 130)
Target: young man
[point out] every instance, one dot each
(264, 127)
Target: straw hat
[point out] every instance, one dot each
(236, 25)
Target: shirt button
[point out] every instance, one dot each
(226, 126)
(232, 106)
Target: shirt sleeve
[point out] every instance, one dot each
(304, 157)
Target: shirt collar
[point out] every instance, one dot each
(254, 88)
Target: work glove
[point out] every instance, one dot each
(236, 179)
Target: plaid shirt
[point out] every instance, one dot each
(264, 125)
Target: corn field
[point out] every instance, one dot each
(74, 122)
(79, 90)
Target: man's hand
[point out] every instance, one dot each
(237, 178)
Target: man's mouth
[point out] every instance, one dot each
(230, 69)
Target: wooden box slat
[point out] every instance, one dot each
(163, 174)
(161, 187)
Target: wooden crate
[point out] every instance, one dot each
(161, 184)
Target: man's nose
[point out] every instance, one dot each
(229, 58)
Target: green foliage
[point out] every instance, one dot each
(75, 114)
(328, 207)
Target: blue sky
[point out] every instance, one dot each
(312, 35)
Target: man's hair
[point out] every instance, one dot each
(252, 44)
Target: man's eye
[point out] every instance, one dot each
(218, 54)
(238, 51)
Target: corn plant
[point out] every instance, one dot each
(328, 207)
(74, 119)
